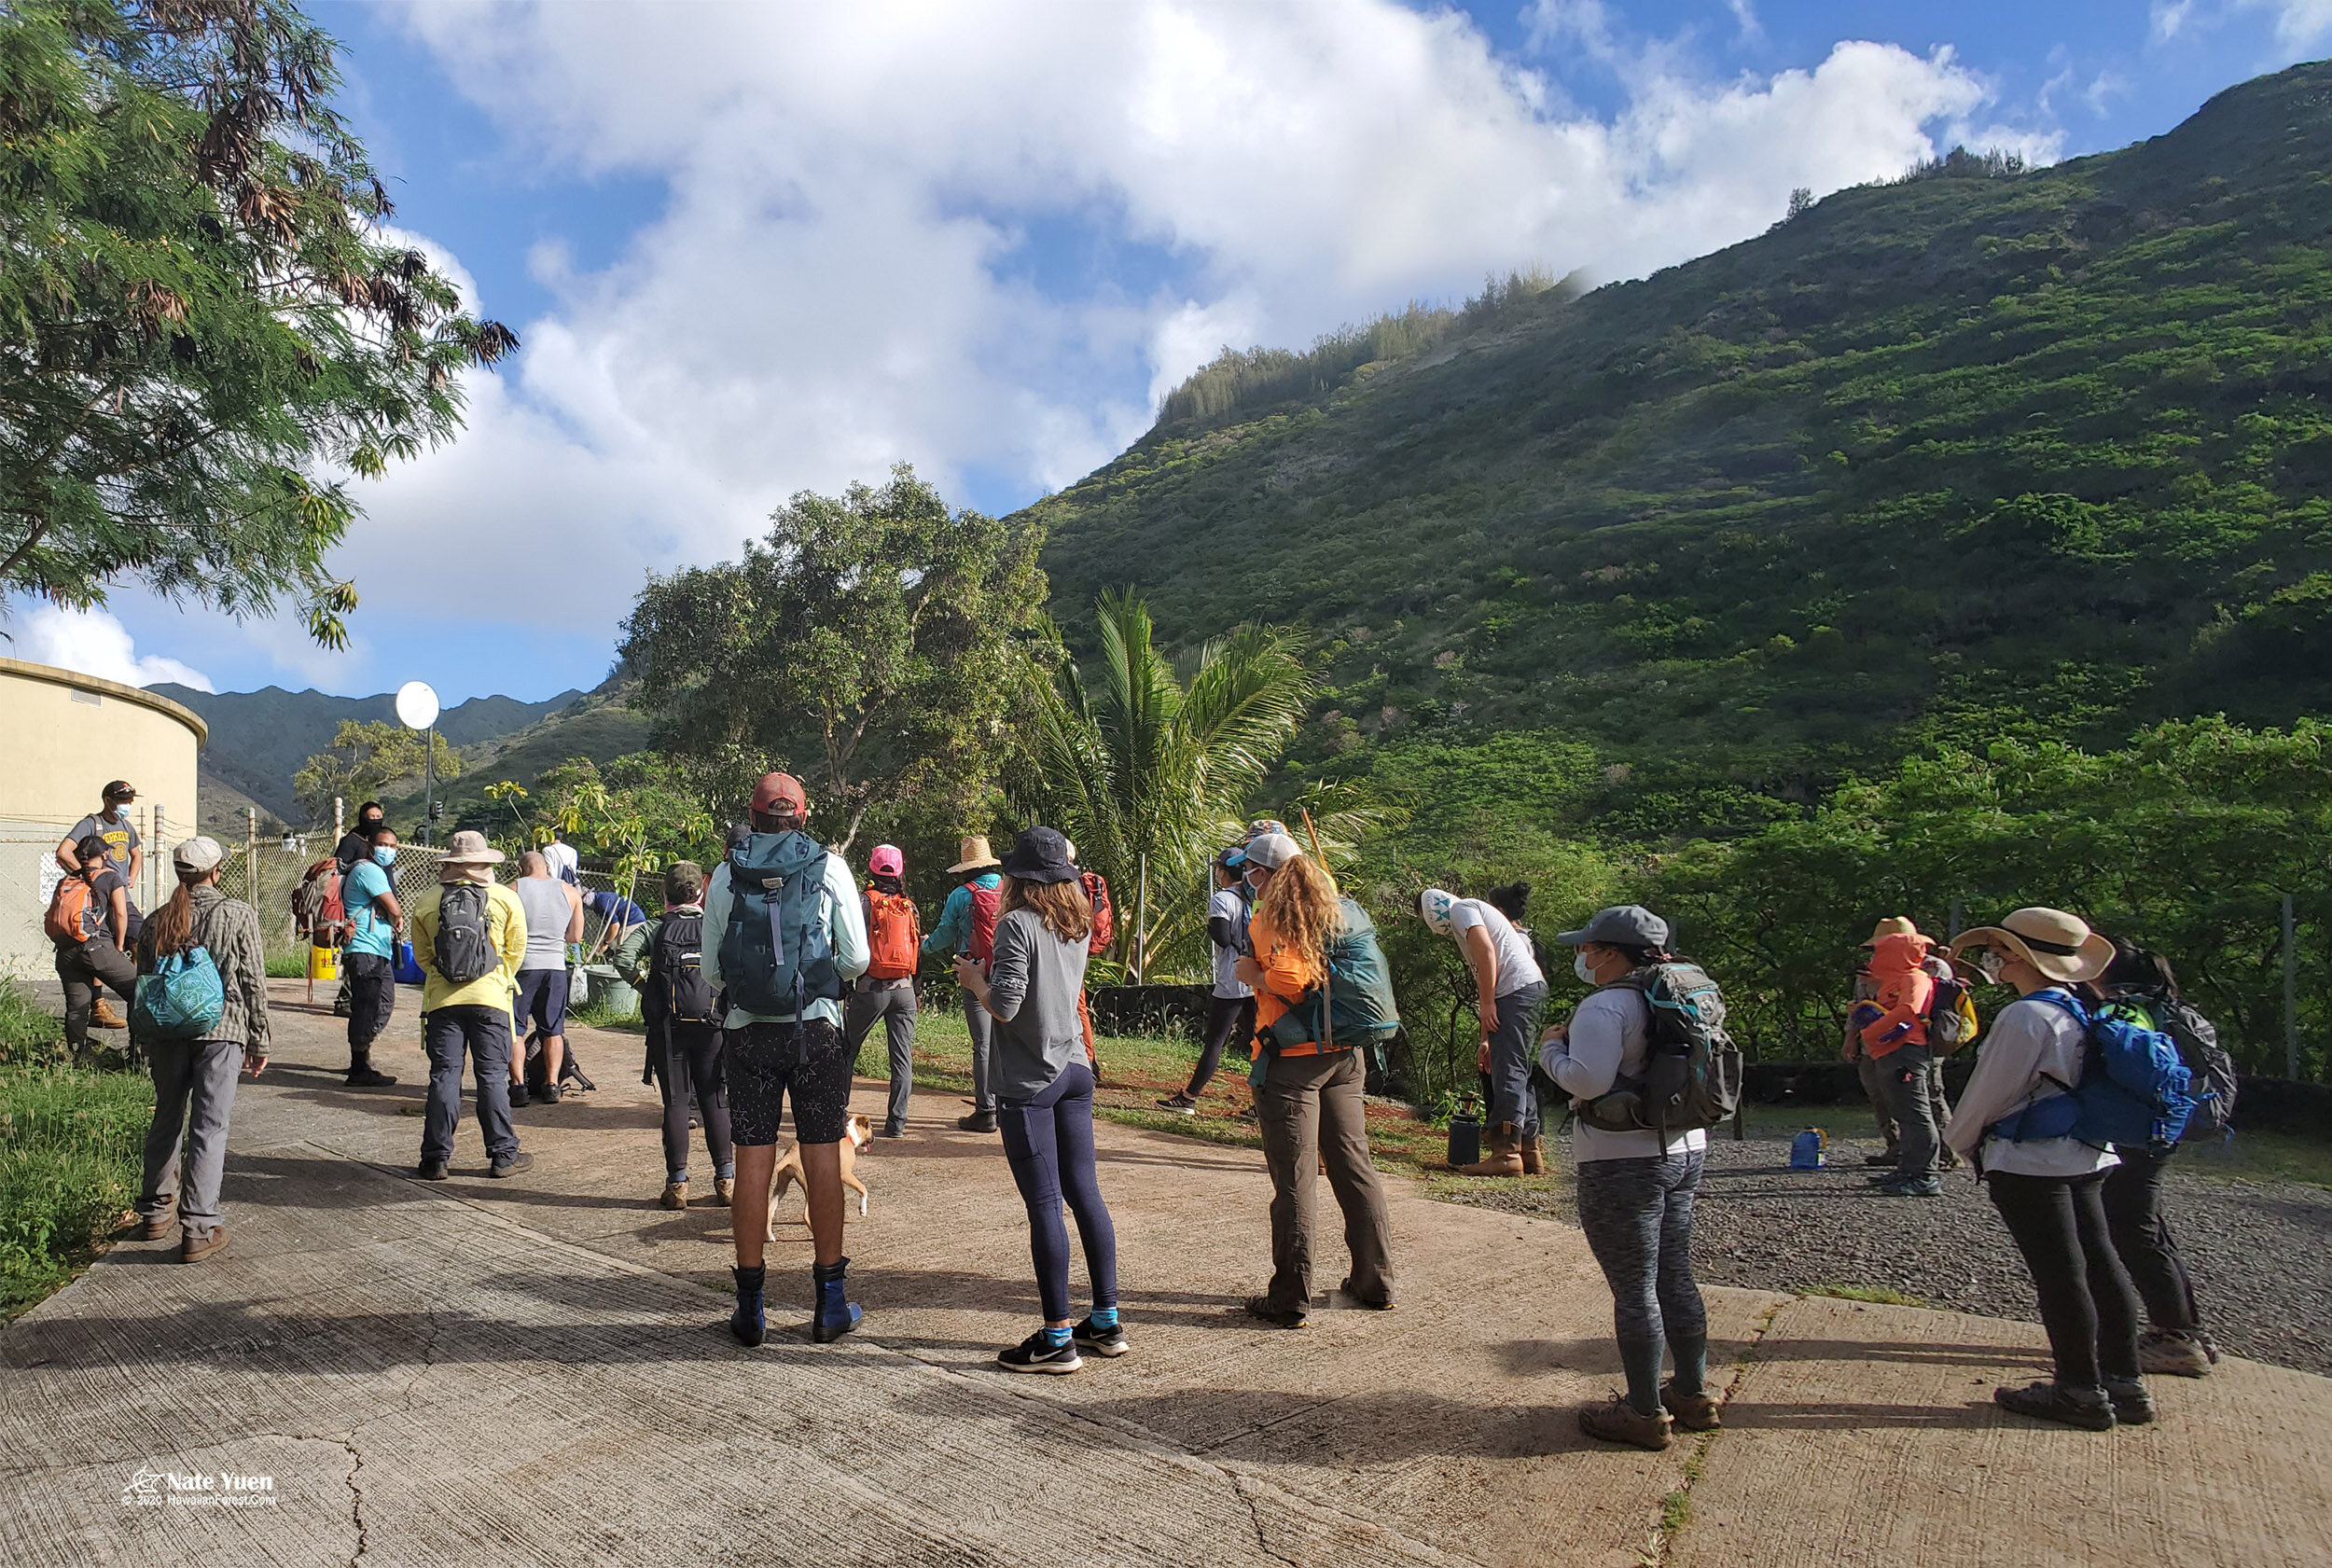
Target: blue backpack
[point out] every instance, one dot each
(183, 999)
(2135, 1089)
(777, 952)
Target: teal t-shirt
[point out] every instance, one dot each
(367, 931)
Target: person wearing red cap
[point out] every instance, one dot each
(791, 940)
(895, 934)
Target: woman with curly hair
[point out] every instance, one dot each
(1310, 1104)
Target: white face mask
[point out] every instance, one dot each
(1580, 967)
(1992, 963)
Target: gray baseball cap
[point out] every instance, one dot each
(1622, 926)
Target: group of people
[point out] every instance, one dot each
(760, 981)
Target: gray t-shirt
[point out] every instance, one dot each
(1227, 904)
(1516, 965)
(1033, 991)
(120, 838)
(547, 911)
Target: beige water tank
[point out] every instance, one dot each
(63, 737)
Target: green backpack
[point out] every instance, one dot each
(1361, 1011)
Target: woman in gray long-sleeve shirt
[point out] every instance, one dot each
(1045, 1094)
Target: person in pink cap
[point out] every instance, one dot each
(894, 934)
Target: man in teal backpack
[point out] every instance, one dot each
(790, 941)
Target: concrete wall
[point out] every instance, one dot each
(62, 737)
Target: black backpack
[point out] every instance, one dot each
(465, 950)
(2212, 1068)
(677, 968)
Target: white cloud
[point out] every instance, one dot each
(93, 642)
(837, 282)
(2299, 24)
(2169, 18)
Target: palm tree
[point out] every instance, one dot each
(1151, 773)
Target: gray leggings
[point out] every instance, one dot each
(1637, 1214)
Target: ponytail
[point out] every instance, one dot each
(172, 924)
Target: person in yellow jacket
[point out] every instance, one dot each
(469, 936)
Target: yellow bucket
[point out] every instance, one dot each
(323, 963)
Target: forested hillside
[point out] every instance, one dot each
(1979, 453)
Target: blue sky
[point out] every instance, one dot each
(756, 249)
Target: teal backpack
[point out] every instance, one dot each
(777, 952)
(1360, 990)
(183, 999)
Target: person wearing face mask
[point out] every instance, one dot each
(2050, 1191)
(1635, 1189)
(374, 919)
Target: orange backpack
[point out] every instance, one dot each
(895, 936)
(67, 907)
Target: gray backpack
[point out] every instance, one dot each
(1691, 1067)
(465, 950)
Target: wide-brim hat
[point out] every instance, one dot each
(1040, 855)
(1897, 926)
(973, 854)
(2060, 946)
(470, 848)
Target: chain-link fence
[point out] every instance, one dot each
(29, 873)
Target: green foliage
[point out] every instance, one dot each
(877, 632)
(198, 315)
(640, 812)
(365, 759)
(1939, 460)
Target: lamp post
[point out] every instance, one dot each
(417, 709)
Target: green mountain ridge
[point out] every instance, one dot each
(1971, 453)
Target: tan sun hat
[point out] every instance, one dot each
(973, 854)
(1897, 926)
(470, 848)
(2060, 946)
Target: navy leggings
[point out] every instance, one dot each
(1048, 1141)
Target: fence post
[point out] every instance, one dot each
(2291, 996)
(251, 851)
(1142, 919)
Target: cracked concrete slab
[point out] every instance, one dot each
(534, 1370)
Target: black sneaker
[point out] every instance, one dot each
(431, 1170)
(1277, 1316)
(2133, 1405)
(978, 1121)
(2090, 1411)
(1930, 1186)
(1887, 1160)
(369, 1078)
(1180, 1104)
(1037, 1354)
(518, 1097)
(893, 1129)
(547, 1094)
(1357, 1299)
(511, 1164)
(1090, 1336)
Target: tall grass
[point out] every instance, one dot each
(70, 1147)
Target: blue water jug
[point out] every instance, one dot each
(1805, 1150)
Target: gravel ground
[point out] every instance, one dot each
(2260, 1252)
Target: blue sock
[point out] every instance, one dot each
(677, 1177)
(1104, 1317)
(1056, 1338)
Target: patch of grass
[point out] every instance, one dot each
(70, 1147)
(1675, 1511)
(287, 965)
(1877, 1294)
(598, 1015)
(2260, 1156)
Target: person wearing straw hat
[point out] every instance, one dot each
(1887, 1033)
(468, 1013)
(967, 926)
(1869, 1067)
(2050, 1191)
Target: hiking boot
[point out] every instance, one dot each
(2164, 1353)
(511, 1164)
(748, 1321)
(2087, 1408)
(1357, 1299)
(1694, 1412)
(1917, 1187)
(431, 1170)
(157, 1226)
(978, 1121)
(1179, 1103)
(675, 1195)
(893, 1129)
(1535, 1155)
(1946, 1160)
(365, 1078)
(2132, 1405)
(1616, 1421)
(1277, 1316)
(1109, 1341)
(835, 1315)
(1037, 1354)
(103, 1016)
(1504, 1156)
(194, 1249)
(547, 1094)
(724, 1191)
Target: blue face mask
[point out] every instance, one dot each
(384, 856)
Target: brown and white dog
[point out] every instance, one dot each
(788, 1172)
